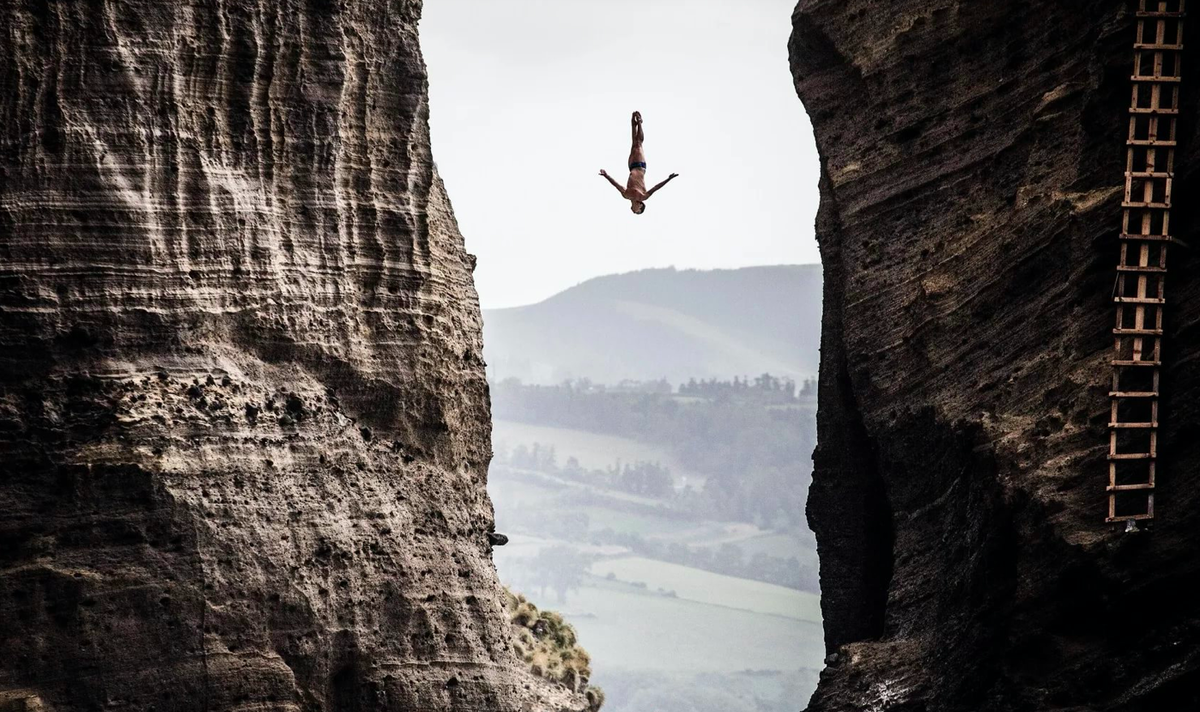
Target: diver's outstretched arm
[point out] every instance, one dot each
(670, 178)
(615, 184)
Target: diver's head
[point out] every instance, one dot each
(638, 207)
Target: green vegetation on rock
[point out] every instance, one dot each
(548, 644)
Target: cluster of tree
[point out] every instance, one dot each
(566, 524)
(648, 479)
(728, 559)
(755, 457)
(571, 523)
(559, 568)
(537, 457)
(765, 387)
(587, 385)
(630, 386)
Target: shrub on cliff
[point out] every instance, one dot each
(548, 644)
(595, 698)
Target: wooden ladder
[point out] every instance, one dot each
(1142, 270)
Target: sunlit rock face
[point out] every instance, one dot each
(973, 158)
(244, 425)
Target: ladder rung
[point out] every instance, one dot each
(1139, 300)
(1151, 45)
(1141, 268)
(1131, 488)
(1148, 142)
(1159, 111)
(1149, 174)
(1128, 517)
(1133, 394)
(1159, 206)
(1148, 238)
(1131, 456)
(1137, 78)
(1133, 426)
(1138, 332)
(1157, 13)
(1155, 364)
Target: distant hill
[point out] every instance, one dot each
(663, 323)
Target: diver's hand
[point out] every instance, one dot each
(603, 172)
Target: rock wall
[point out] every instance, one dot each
(972, 167)
(244, 425)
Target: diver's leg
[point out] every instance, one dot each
(636, 153)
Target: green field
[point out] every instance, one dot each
(524, 547)
(513, 496)
(713, 589)
(559, 484)
(711, 533)
(623, 629)
(785, 544)
(714, 624)
(594, 452)
(646, 525)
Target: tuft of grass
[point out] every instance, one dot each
(595, 698)
(548, 644)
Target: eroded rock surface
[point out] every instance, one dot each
(972, 161)
(243, 415)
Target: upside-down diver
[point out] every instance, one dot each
(634, 189)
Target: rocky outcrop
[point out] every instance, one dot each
(244, 424)
(972, 166)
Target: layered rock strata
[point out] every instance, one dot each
(972, 171)
(244, 424)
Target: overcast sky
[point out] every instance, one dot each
(530, 98)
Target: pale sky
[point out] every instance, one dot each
(530, 98)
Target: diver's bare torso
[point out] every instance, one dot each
(634, 189)
(635, 186)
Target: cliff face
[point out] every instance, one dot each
(973, 158)
(243, 415)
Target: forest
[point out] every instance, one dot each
(751, 439)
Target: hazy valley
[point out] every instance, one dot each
(659, 506)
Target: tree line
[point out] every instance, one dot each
(752, 442)
(648, 479)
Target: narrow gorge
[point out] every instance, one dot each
(244, 424)
(972, 170)
(244, 421)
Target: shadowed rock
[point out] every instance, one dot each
(972, 165)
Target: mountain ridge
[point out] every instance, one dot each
(663, 323)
